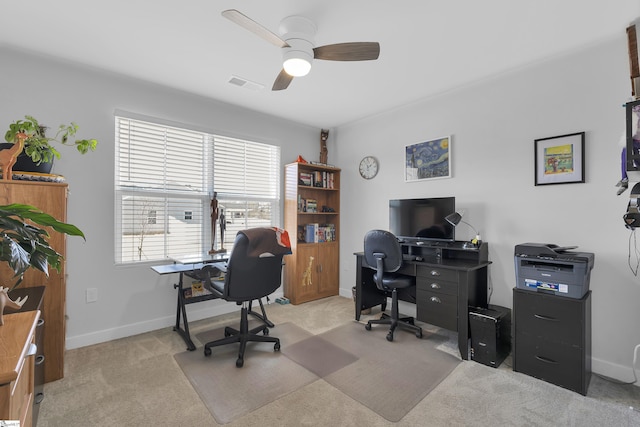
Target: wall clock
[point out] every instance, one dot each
(368, 167)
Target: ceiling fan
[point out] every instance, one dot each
(298, 48)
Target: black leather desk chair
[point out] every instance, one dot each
(382, 253)
(249, 276)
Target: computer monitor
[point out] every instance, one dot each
(422, 219)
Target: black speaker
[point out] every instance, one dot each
(490, 334)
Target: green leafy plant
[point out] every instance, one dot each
(24, 243)
(39, 147)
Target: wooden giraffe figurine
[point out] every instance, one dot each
(9, 156)
(306, 275)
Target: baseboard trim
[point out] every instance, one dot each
(194, 313)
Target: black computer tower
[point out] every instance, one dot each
(490, 334)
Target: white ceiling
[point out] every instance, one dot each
(426, 46)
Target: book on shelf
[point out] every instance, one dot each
(307, 205)
(312, 205)
(311, 233)
(320, 233)
(306, 178)
(318, 179)
(321, 164)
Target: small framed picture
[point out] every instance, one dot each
(559, 159)
(428, 160)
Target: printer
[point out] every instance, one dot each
(549, 268)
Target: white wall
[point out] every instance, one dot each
(130, 299)
(493, 126)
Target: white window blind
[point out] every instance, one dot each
(165, 178)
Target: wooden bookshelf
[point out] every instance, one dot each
(312, 272)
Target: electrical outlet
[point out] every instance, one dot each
(92, 294)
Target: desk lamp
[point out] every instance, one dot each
(455, 219)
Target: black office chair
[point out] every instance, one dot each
(382, 253)
(254, 270)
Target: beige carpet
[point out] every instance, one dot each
(390, 378)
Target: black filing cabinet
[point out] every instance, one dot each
(552, 338)
(34, 300)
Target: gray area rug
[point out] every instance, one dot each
(229, 392)
(390, 378)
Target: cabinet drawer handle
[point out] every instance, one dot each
(33, 349)
(435, 273)
(39, 359)
(551, 319)
(435, 299)
(435, 286)
(545, 360)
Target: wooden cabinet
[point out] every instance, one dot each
(52, 199)
(553, 338)
(17, 341)
(312, 202)
(34, 298)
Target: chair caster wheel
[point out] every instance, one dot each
(239, 362)
(389, 337)
(207, 351)
(419, 334)
(265, 331)
(276, 347)
(367, 326)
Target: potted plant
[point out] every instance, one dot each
(24, 244)
(39, 148)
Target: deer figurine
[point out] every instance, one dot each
(9, 156)
(5, 301)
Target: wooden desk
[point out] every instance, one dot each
(17, 337)
(449, 279)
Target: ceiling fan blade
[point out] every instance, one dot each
(282, 81)
(356, 51)
(245, 22)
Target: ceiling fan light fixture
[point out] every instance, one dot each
(297, 63)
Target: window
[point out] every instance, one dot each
(165, 179)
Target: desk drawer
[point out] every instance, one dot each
(437, 273)
(436, 285)
(437, 309)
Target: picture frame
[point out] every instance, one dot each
(429, 159)
(560, 159)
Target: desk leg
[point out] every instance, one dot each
(184, 333)
(466, 295)
(463, 338)
(367, 294)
